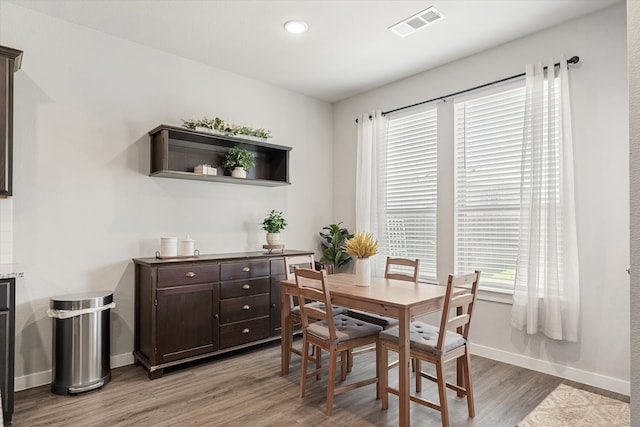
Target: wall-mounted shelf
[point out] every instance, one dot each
(176, 151)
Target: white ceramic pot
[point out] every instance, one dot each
(273, 238)
(363, 272)
(238, 172)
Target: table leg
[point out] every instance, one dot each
(285, 332)
(459, 363)
(403, 368)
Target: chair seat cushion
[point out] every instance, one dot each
(376, 319)
(424, 337)
(347, 328)
(336, 309)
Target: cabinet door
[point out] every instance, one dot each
(6, 119)
(187, 321)
(276, 305)
(5, 375)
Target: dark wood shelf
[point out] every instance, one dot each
(176, 151)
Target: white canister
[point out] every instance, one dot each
(187, 247)
(168, 246)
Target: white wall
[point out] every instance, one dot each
(600, 114)
(633, 49)
(83, 202)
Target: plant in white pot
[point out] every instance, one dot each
(273, 224)
(239, 161)
(362, 245)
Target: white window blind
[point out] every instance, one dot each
(410, 189)
(488, 155)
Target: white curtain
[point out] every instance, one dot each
(370, 150)
(547, 292)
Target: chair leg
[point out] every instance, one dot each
(379, 368)
(331, 379)
(291, 342)
(466, 366)
(384, 375)
(303, 369)
(344, 361)
(442, 391)
(318, 361)
(418, 369)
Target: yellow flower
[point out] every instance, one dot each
(362, 245)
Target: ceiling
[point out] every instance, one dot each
(347, 49)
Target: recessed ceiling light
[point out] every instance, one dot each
(296, 27)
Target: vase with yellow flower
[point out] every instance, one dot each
(363, 246)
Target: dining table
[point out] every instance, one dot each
(394, 298)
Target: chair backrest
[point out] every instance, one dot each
(412, 267)
(463, 305)
(300, 261)
(312, 286)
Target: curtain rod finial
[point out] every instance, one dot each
(573, 60)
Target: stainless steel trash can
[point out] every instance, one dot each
(81, 341)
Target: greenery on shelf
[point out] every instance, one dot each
(361, 245)
(274, 222)
(333, 245)
(238, 157)
(223, 126)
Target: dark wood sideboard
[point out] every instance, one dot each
(192, 308)
(7, 345)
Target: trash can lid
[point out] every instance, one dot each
(81, 300)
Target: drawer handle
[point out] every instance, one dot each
(245, 331)
(246, 269)
(190, 274)
(246, 286)
(246, 307)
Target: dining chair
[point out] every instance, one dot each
(290, 263)
(337, 334)
(438, 346)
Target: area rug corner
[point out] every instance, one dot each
(569, 406)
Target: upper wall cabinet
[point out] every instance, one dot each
(10, 60)
(176, 151)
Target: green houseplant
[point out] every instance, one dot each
(273, 224)
(224, 127)
(333, 245)
(239, 161)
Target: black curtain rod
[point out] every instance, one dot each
(572, 60)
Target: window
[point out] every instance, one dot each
(409, 189)
(488, 156)
(485, 178)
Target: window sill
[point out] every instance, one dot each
(501, 296)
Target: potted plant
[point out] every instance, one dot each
(362, 245)
(239, 161)
(333, 255)
(273, 224)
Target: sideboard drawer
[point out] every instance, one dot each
(244, 270)
(240, 288)
(244, 332)
(237, 309)
(187, 274)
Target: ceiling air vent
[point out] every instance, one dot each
(419, 20)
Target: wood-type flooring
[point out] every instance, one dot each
(246, 389)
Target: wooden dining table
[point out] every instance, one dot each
(399, 299)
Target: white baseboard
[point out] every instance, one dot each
(43, 378)
(590, 378)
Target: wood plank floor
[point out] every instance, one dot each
(246, 389)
